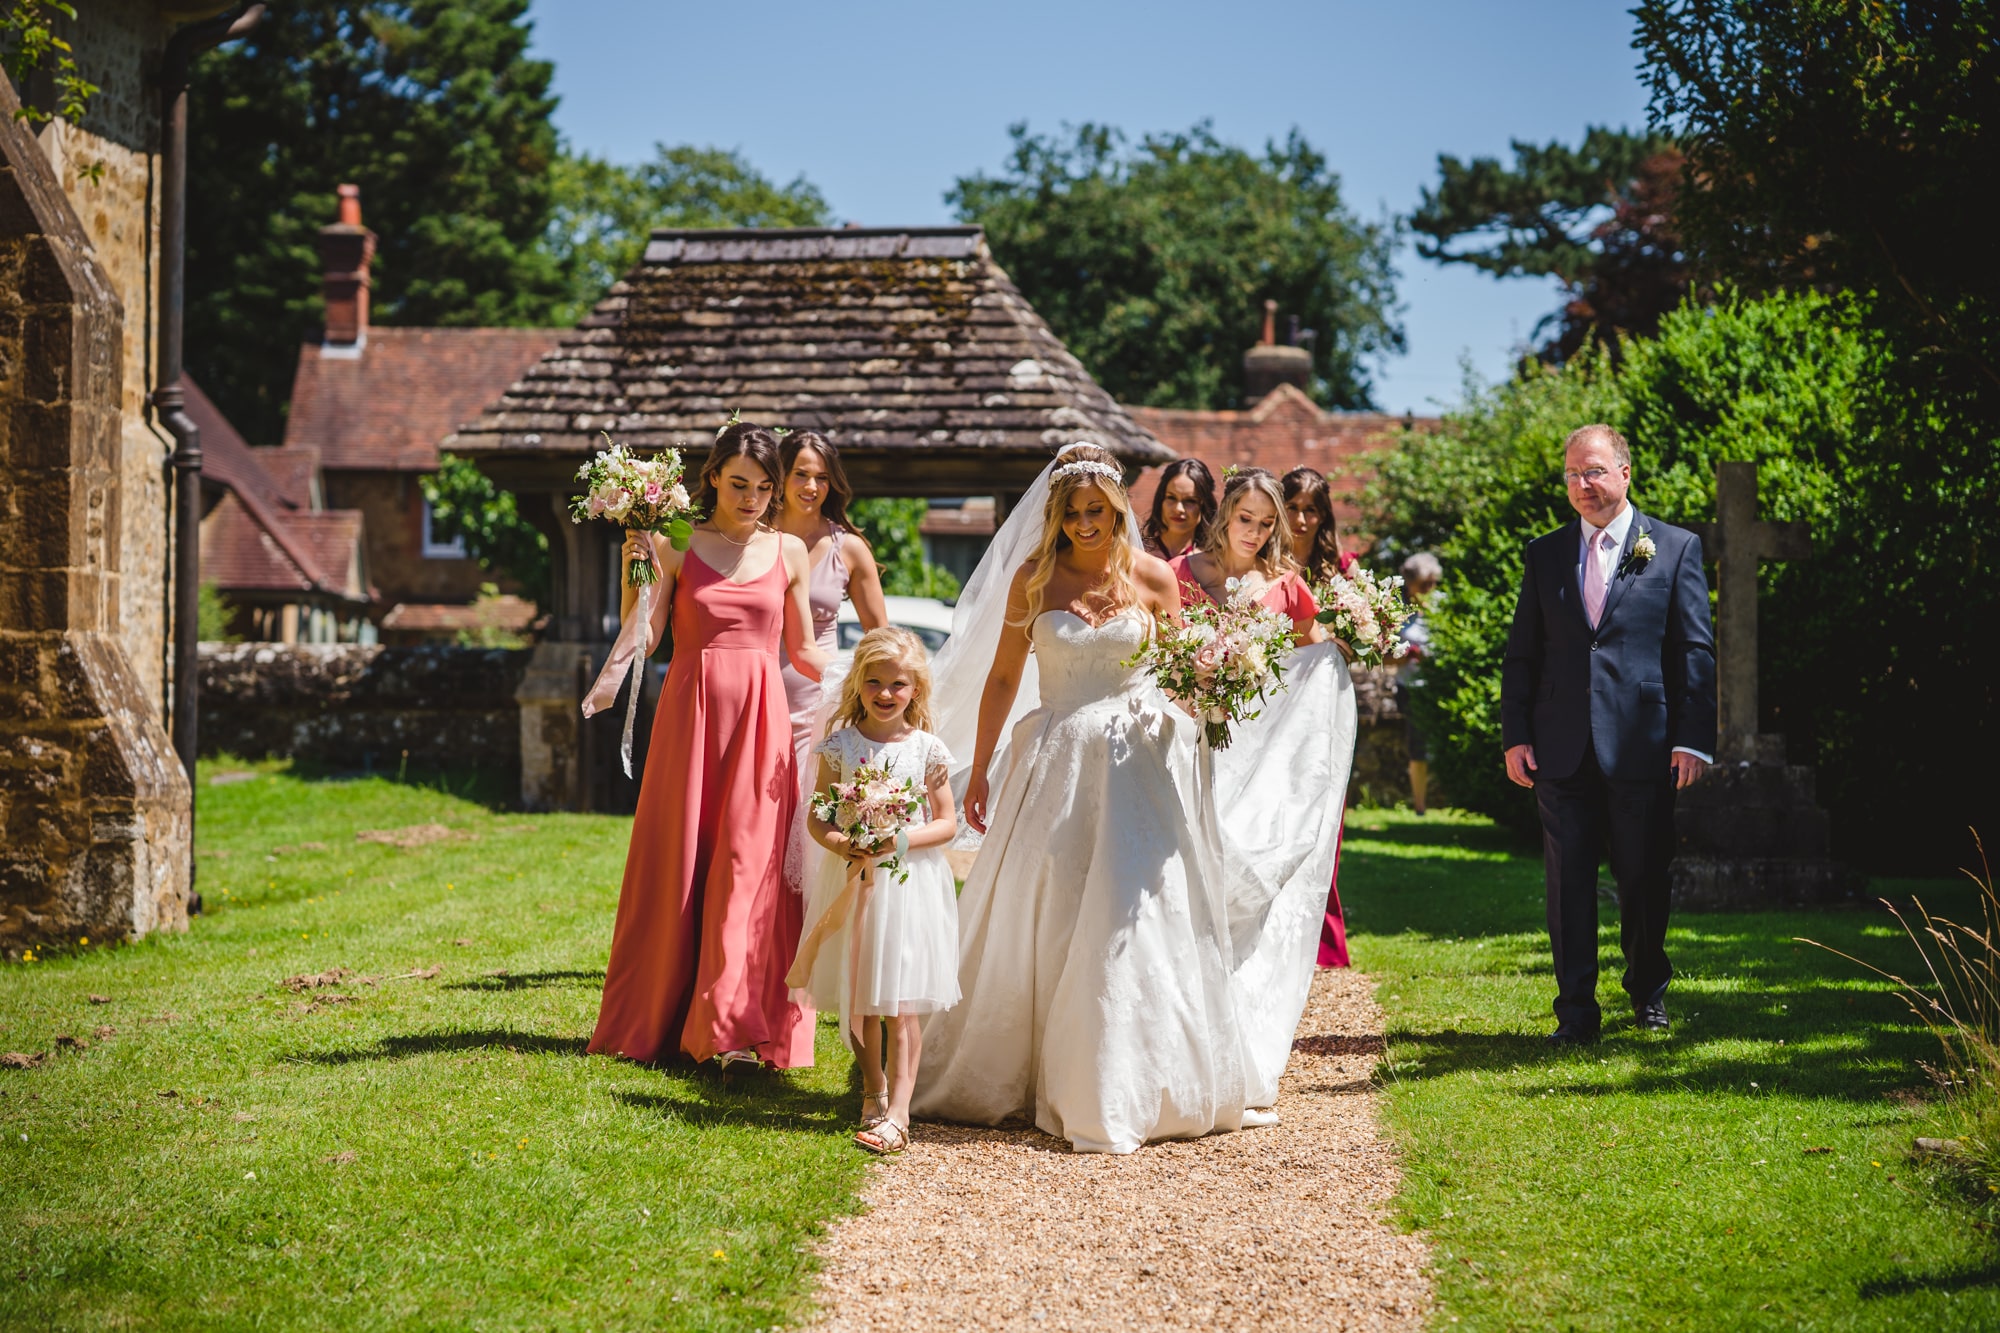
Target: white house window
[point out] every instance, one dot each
(438, 544)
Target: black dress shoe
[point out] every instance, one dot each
(1568, 1036)
(1651, 1018)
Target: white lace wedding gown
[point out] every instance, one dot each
(1093, 938)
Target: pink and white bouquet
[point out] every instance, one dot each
(872, 810)
(642, 494)
(1367, 613)
(1221, 661)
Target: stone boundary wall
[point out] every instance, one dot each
(362, 706)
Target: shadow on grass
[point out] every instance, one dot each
(1749, 1002)
(764, 1101)
(503, 981)
(1954, 1279)
(482, 786)
(431, 1043)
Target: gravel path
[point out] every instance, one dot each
(1270, 1229)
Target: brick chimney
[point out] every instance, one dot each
(345, 248)
(1269, 364)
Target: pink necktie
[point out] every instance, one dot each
(1597, 577)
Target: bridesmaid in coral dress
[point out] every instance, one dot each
(706, 929)
(1316, 551)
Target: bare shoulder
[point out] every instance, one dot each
(855, 552)
(792, 551)
(1152, 573)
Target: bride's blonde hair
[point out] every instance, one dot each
(1067, 480)
(900, 648)
(1274, 557)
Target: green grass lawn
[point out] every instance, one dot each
(426, 1151)
(1750, 1171)
(434, 1149)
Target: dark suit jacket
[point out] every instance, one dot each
(1638, 685)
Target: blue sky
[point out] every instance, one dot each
(883, 105)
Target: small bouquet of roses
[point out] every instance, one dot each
(1221, 661)
(643, 494)
(1367, 613)
(872, 810)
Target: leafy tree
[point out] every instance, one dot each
(213, 615)
(604, 211)
(30, 46)
(1865, 645)
(465, 502)
(434, 109)
(1153, 265)
(892, 528)
(1840, 145)
(1598, 217)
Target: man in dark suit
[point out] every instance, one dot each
(1607, 707)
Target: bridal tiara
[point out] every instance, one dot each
(1087, 467)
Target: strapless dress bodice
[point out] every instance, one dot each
(1081, 663)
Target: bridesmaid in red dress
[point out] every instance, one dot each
(706, 928)
(1316, 551)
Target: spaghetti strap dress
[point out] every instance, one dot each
(706, 928)
(826, 589)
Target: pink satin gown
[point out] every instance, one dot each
(1289, 597)
(706, 927)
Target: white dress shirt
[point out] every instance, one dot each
(1617, 527)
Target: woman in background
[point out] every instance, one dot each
(1309, 521)
(814, 509)
(1183, 509)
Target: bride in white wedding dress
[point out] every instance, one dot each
(1094, 940)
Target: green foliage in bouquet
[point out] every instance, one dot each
(1865, 647)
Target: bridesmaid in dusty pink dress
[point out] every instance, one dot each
(706, 928)
(816, 496)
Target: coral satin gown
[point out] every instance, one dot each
(706, 927)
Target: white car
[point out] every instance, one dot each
(926, 617)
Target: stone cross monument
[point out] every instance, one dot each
(1751, 834)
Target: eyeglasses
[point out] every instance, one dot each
(1593, 475)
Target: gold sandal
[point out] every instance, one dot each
(885, 1139)
(870, 1121)
(728, 1060)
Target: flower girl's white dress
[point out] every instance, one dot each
(1093, 935)
(898, 951)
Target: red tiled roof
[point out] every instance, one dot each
(230, 460)
(506, 612)
(247, 548)
(1283, 431)
(388, 407)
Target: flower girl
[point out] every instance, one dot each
(880, 944)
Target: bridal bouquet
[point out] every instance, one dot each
(1220, 661)
(1366, 613)
(871, 810)
(644, 494)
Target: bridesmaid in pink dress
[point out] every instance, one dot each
(1316, 551)
(706, 928)
(816, 496)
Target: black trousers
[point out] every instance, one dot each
(1586, 819)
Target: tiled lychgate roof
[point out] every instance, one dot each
(892, 342)
(388, 404)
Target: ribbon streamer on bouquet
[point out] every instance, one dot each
(645, 610)
(628, 657)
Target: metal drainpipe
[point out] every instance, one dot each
(168, 398)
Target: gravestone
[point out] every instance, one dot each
(1751, 834)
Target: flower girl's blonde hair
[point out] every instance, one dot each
(898, 646)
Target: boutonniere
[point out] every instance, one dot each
(1643, 551)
